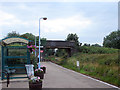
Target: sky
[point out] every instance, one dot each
(91, 21)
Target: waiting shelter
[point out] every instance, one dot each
(15, 55)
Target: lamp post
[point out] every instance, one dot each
(35, 46)
(44, 18)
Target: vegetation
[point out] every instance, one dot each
(13, 34)
(112, 40)
(96, 50)
(96, 45)
(101, 66)
(33, 60)
(28, 36)
(60, 52)
(74, 38)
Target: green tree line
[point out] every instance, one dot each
(111, 41)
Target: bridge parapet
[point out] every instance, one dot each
(69, 46)
(59, 44)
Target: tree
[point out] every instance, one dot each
(13, 34)
(28, 36)
(96, 45)
(31, 37)
(74, 38)
(42, 41)
(112, 40)
(86, 44)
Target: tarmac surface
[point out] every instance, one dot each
(58, 77)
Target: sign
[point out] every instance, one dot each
(41, 51)
(78, 64)
(15, 39)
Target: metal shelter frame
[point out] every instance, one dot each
(5, 47)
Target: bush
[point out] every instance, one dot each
(97, 50)
(33, 60)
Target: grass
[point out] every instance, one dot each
(97, 50)
(101, 66)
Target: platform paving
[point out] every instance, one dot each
(58, 77)
(16, 83)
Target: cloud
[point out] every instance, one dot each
(90, 0)
(66, 25)
(59, 0)
(22, 6)
(9, 22)
(86, 19)
(7, 19)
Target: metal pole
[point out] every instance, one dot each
(39, 39)
(39, 45)
(35, 46)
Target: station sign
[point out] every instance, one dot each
(15, 40)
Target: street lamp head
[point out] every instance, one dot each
(44, 18)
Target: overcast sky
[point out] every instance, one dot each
(91, 21)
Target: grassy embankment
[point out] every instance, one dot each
(104, 66)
